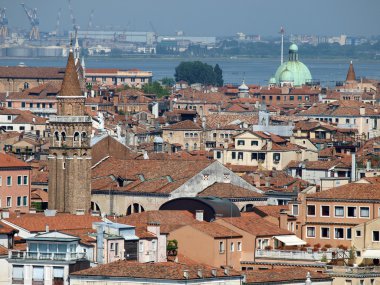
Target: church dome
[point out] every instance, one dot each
(293, 47)
(243, 87)
(272, 80)
(286, 76)
(300, 72)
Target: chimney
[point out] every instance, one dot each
(46, 228)
(5, 214)
(18, 213)
(200, 273)
(283, 220)
(269, 145)
(353, 168)
(267, 181)
(199, 215)
(145, 156)
(226, 271)
(154, 228)
(186, 274)
(213, 272)
(369, 166)
(362, 111)
(256, 179)
(99, 242)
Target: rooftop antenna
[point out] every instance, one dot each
(282, 32)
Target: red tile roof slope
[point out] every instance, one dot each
(158, 270)
(60, 222)
(228, 190)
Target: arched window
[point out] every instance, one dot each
(76, 136)
(95, 207)
(84, 135)
(187, 146)
(135, 208)
(26, 85)
(195, 146)
(247, 208)
(63, 134)
(56, 135)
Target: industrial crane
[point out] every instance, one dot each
(34, 22)
(3, 23)
(73, 20)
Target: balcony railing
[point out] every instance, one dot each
(353, 270)
(55, 256)
(70, 119)
(293, 254)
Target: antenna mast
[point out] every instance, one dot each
(282, 32)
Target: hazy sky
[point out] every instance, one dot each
(209, 17)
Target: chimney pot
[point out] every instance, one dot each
(47, 228)
(213, 272)
(199, 215)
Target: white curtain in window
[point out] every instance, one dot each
(18, 272)
(58, 272)
(38, 273)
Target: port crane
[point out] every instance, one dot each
(34, 22)
(3, 23)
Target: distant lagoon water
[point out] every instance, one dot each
(254, 70)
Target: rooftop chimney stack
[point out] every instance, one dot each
(199, 215)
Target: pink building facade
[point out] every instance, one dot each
(14, 184)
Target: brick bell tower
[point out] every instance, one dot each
(70, 147)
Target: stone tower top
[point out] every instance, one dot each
(70, 84)
(351, 73)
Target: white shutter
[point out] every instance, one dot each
(18, 272)
(38, 273)
(58, 272)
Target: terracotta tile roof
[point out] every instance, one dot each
(40, 176)
(256, 226)
(215, 230)
(281, 274)
(60, 222)
(5, 229)
(342, 108)
(46, 91)
(7, 160)
(220, 121)
(227, 190)
(348, 192)
(31, 72)
(23, 117)
(184, 125)
(70, 84)
(148, 176)
(157, 270)
(271, 210)
(319, 165)
(169, 220)
(90, 71)
(197, 96)
(3, 250)
(40, 195)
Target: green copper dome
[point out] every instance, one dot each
(300, 72)
(272, 80)
(293, 47)
(286, 76)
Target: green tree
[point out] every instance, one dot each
(197, 72)
(218, 75)
(155, 88)
(168, 81)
